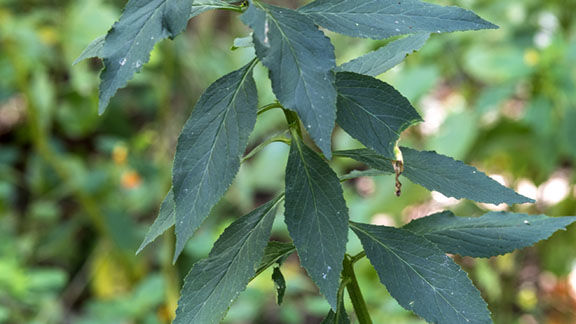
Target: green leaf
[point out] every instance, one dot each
(372, 111)
(214, 283)
(489, 235)
(300, 59)
(163, 222)
(421, 277)
(386, 57)
(317, 217)
(441, 173)
(276, 252)
(209, 149)
(93, 49)
(279, 284)
(129, 42)
(380, 19)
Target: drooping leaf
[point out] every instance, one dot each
(209, 149)
(279, 284)
(317, 217)
(93, 49)
(421, 277)
(300, 59)
(372, 111)
(441, 173)
(380, 19)
(128, 43)
(275, 252)
(489, 235)
(163, 222)
(214, 283)
(386, 57)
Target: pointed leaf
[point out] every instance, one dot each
(489, 235)
(317, 217)
(93, 49)
(386, 57)
(163, 222)
(380, 19)
(372, 111)
(441, 173)
(214, 283)
(209, 149)
(421, 277)
(129, 42)
(300, 59)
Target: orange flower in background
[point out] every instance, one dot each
(130, 179)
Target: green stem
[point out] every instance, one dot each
(358, 257)
(293, 123)
(233, 8)
(269, 107)
(262, 145)
(355, 293)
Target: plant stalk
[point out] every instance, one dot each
(354, 292)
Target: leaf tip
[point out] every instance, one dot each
(102, 105)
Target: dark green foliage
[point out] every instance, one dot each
(411, 262)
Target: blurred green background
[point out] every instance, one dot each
(78, 191)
